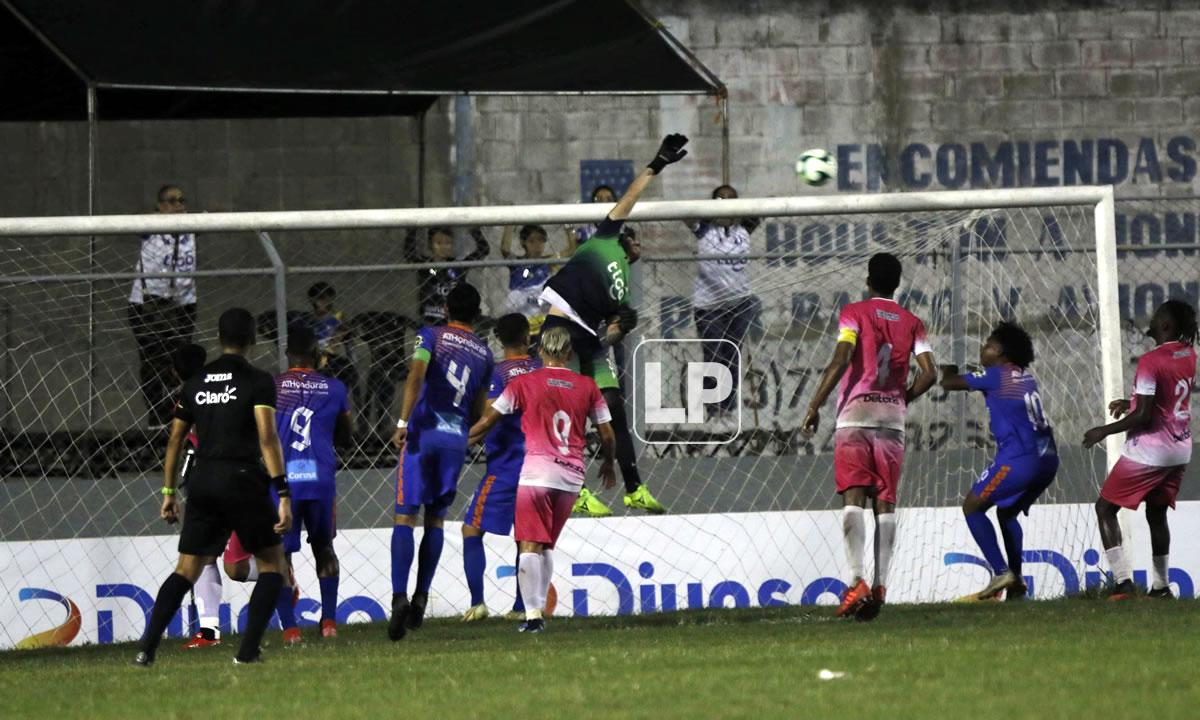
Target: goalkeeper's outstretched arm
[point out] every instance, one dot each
(670, 151)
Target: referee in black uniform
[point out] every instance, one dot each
(232, 405)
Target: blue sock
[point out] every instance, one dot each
(402, 557)
(1014, 542)
(283, 606)
(328, 597)
(474, 564)
(428, 556)
(518, 601)
(985, 538)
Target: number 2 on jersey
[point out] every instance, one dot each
(1183, 391)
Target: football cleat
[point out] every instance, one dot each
(514, 615)
(853, 599)
(1162, 593)
(257, 658)
(291, 637)
(475, 612)
(992, 590)
(398, 622)
(204, 637)
(869, 610)
(641, 499)
(1125, 590)
(588, 504)
(143, 659)
(1017, 592)
(416, 611)
(328, 628)
(532, 626)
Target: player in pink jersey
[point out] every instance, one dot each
(1158, 445)
(555, 404)
(876, 337)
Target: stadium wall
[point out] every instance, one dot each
(101, 590)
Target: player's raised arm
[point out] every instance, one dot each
(829, 379)
(412, 387)
(951, 379)
(670, 151)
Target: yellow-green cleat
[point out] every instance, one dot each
(590, 505)
(641, 499)
(476, 612)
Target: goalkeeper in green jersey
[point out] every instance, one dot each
(589, 297)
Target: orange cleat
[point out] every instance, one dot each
(328, 628)
(854, 598)
(203, 638)
(291, 636)
(871, 608)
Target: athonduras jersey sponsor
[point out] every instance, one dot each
(1018, 417)
(884, 336)
(555, 405)
(595, 281)
(220, 402)
(306, 414)
(1165, 373)
(459, 368)
(166, 254)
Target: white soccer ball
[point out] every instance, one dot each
(816, 167)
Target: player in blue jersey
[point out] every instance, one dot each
(444, 394)
(493, 506)
(312, 414)
(1026, 456)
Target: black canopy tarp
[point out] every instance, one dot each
(149, 59)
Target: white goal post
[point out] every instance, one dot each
(1098, 197)
(72, 408)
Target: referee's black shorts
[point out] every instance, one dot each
(225, 496)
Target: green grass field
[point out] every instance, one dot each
(1067, 658)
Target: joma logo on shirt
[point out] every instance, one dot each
(889, 316)
(218, 377)
(204, 397)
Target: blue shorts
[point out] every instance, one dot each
(495, 500)
(319, 517)
(428, 479)
(1017, 481)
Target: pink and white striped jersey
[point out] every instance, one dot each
(1166, 372)
(555, 404)
(884, 336)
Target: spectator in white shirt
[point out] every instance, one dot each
(723, 305)
(162, 311)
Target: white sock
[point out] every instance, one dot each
(854, 537)
(208, 597)
(1119, 564)
(1160, 572)
(885, 539)
(547, 573)
(253, 570)
(529, 578)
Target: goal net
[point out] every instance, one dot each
(750, 499)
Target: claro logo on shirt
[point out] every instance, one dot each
(205, 397)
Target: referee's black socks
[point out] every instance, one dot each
(170, 597)
(262, 605)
